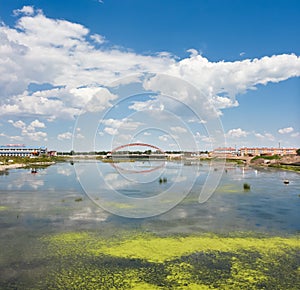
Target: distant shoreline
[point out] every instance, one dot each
(282, 164)
(22, 165)
(11, 166)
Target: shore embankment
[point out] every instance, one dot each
(7, 163)
(11, 166)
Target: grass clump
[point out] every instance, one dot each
(163, 180)
(246, 186)
(267, 157)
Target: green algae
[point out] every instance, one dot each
(156, 249)
(228, 188)
(3, 208)
(117, 205)
(144, 261)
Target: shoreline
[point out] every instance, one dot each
(11, 166)
(22, 165)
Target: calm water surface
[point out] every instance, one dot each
(53, 201)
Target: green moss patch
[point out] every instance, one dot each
(144, 261)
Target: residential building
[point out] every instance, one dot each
(224, 152)
(267, 151)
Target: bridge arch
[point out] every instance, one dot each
(136, 144)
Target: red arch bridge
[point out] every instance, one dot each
(116, 153)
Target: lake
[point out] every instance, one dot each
(68, 227)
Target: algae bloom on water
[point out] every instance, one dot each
(147, 261)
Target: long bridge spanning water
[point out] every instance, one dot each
(143, 156)
(120, 153)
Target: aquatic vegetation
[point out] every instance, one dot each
(118, 205)
(2, 208)
(246, 186)
(145, 261)
(163, 180)
(228, 188)
(78, 199)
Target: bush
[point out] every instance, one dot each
(246, 186)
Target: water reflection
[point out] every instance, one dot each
(51, 194)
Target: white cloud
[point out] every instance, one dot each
(163, 138)
(235, 77)
(36, 124)
(223, 102)
(111, 131)
(98, 38)
(30, 130)
(37, 136)
(236, 133)
(204, 138)
(26, 10)
(196, 120)
(51, 104)
(123, 124)
(178, 129)
(65, 136)
(41, 50)
(286, 130)
(265, 136)
(95, 98)
(147, 134)
(153, 104)
(18, 124)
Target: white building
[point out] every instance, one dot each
(21, 150)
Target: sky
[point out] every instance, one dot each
(180, 75)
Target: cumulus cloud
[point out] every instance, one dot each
(36, 124)
(64, 136)
(265, 136)
(163, 138)
(178, 129)
(52, 104)
(98, 38)
(124, 124)
(111, 131)
(29, 131)
(41, 50)
(116, 125)
(286, 130)
(152, 104)
(236, 133)
(26, 10)
(204, 138)
(95, 99)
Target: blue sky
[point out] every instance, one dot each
(58, 60)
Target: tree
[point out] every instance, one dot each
(298, 152)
